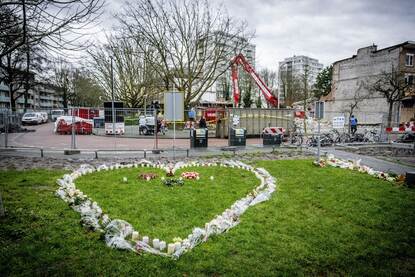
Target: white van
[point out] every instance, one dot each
(56, 113)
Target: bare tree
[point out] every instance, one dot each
(393, 87)
(359, 95)
(85, 91)
(194, 42)
(290, 87)
(270, 78)
(305, 80)
(133, 67)
(62, 78)
(29, 28)
(54, 24)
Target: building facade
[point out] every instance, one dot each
(42, 97)
(220, 93)
(352, 78)
(295, 67)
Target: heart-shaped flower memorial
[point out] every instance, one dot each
(120, 234)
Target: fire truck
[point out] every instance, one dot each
(241, 60)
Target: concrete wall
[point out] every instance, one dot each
(351, 76)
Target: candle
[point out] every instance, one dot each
(162, 245)
(135, 236)
(145, 239)
(156, 243)
(170, 248)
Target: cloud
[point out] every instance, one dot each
(327, 30)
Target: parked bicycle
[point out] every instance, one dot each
(296, 136)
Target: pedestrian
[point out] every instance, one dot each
(192, 114)
(353, 124)
(202, 122)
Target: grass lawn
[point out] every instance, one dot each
(159, 211)
(321, 221)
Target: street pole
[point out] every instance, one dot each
(318, 141)
(6, 128)
(73, 143)
(112, 105)
(174, 125)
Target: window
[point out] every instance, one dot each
(409, 60)
(409, 79)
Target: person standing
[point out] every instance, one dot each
(192, 114)
(353, 124)
(202, 122)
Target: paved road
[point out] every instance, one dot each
(372, 162)
(44, 137)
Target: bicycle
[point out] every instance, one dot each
(296, 137)
(371, 136)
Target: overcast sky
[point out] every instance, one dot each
(327, 30)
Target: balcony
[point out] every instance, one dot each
(4, 98)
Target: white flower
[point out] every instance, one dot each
(212, 178)
(148, 178)
(124, 179)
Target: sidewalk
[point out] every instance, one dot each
(372, 162)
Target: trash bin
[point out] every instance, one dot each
(272, 136)
(199, 138)
(237, 137)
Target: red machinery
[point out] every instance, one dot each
(241, 60)
(81, 127)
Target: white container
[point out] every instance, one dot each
(135, 236)
(162, 245)
(145, 239)
(170, 248)
(156, 243)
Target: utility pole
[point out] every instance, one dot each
(112, 104)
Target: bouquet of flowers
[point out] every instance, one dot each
(170, 182)
(147, 176)
(190, 175)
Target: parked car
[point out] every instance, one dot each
(45, 117)
(32, 118)
(56, 113)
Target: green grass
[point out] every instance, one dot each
(321, 221)
(167, 212)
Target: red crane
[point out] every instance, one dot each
(241, 60)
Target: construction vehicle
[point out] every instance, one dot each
(241, 60)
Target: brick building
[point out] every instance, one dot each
(353, 75)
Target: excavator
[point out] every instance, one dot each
(241, 60)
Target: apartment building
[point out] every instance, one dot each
(42, 97)
(354, 75)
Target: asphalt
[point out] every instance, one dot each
(375, 163)
(43, 142)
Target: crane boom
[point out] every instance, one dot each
(241, 60)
